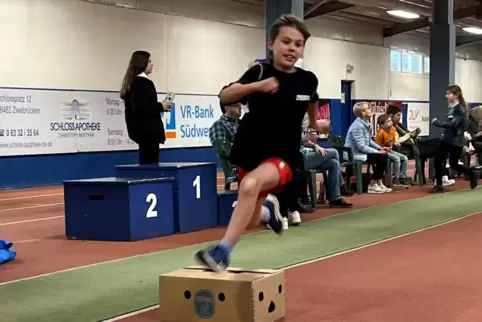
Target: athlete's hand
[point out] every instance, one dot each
(269, 85)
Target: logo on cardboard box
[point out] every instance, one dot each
(204, 304)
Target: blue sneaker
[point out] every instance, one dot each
(215, 258)
(275, 222)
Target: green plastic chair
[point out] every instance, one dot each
(338, 143)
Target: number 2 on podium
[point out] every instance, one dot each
(197, 184)
(152, 199)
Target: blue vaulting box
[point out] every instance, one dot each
(226, 203)
(195, 187)
(119, 209)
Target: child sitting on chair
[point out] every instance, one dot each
(387, 137)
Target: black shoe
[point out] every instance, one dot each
(474, 180)
(305, 201)
(302, 208)
(346, 192)
(436, 189)
(340, 203)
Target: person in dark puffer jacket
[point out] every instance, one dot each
(453, 140)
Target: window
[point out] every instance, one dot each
(417, 66)
(395, 60)
(426, 64)
(406, 62)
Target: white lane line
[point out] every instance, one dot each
(29, 221)
(150, 308)
(34, 196)
(134, 313)
(32, 207)
(25, 241)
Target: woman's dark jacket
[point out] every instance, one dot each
(143, 112)
(454, 125)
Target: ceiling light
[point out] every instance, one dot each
(403, 14)
(473, 30)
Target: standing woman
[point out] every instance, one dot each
(142, 110)
(453, 139)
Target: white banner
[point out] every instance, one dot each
(55, 121)
(418, 116)
(189, 122)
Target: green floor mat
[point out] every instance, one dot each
(110, 289)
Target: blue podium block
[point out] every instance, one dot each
(195, 188)
(119, 209)
(226, 203)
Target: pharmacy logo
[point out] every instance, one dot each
(75, 110)
(169, 119)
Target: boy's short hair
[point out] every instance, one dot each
(224, 106)
(358, 108)
(393, 109)
(288, 20)
(382, 119)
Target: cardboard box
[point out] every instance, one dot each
(195, 294)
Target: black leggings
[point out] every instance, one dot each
(292, 191)
(149, 152)
(379, 164)
(454, 153)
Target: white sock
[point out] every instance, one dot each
(265, 214)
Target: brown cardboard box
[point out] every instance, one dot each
(195, 294)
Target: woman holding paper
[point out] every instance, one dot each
(142, 109)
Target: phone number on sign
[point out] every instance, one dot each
(27, 145)
(19, 132)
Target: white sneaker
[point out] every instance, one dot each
(374, 188)
(382, 186)
(285, 223)
(447, 182)
(295, 218)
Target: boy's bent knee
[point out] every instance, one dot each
(249, 186)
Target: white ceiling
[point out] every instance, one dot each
(371, 12)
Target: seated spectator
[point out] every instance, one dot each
(316, 157)
(221, 135)
(411, 144)
(387, 138)
(475, 128)
(226, 126)
(365, 149)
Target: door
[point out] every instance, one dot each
(347, 116)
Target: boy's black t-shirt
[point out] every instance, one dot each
(272, 128)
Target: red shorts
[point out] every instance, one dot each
(284, 171)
